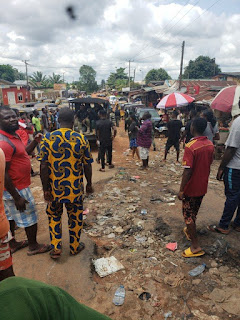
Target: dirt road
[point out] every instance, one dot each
(116, 227)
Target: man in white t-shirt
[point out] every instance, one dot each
(229, 169)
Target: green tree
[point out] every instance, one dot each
(201, 68)
(19, 75)
(87, 80)
(38, 78)
(157, 75)
(7, 72)
(118, 79)
(55, 78)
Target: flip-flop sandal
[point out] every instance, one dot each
(42, 249)
(55, 254)
(215, 228)
(189, 254)
(186, 234)
(21, 245)
(80, 248)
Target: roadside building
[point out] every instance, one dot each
(11, 93)
(228, 76)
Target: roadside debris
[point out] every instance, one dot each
(167, 315)
(107, 266)
(145, 296)
(197, 271)
(119, 296)
(171, 246)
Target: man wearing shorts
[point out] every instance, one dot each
(18, 199)
(197, 159)
(144, 139)
(6, 269)
(174, 128)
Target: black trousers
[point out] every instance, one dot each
(103, 149)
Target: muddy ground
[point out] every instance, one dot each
(116, 227)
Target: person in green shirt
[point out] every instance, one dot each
(36, 121)
(25, 299)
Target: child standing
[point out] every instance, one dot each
(133, 131)
(197, 159)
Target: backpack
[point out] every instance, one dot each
(6, 139)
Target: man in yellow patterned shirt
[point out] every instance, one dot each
(65, 155)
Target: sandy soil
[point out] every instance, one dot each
(149, 266)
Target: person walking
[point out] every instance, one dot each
(106, 132)
(211, 132)
(117, 116)
(45, 121)
(36, 122)
(6, 268)
(133, 132)
(229, 170)
(187, 136)
(144, 139)
(64, 155)
(18, 199)
(174, 128)
(197, 159)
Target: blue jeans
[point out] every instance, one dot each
(232, 191)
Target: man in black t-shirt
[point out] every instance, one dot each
(104, 128)
(82, 117)
(174, 128)
(187, 132)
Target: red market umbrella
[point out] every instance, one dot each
(175, 100)
(227, 100)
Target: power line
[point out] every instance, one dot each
(182, 30)
(164, 31)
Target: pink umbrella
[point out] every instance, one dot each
(227, 100)
(175, 100)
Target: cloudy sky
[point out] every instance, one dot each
(107, 33)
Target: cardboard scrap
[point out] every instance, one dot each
(107, 266)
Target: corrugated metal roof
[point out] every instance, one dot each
(234, 74)
(148, 89)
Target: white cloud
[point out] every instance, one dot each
(108, 33)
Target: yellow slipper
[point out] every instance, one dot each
(186, 234)
(189, 254)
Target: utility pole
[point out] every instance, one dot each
(129, 82)
(181, 66)
(214, 66)
(134, 75)
(26, 66)
(63, 77)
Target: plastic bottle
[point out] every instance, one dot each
(119, 296)
(198, 270)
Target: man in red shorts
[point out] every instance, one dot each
(6, 269)
(197, 159)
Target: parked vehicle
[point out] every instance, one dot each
(133, 107)
(123, 99)
(155, 116)
(112, 100)
(94, 103)
(160, 127)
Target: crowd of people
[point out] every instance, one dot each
(64, 155)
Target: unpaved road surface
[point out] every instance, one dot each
(115, 226)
